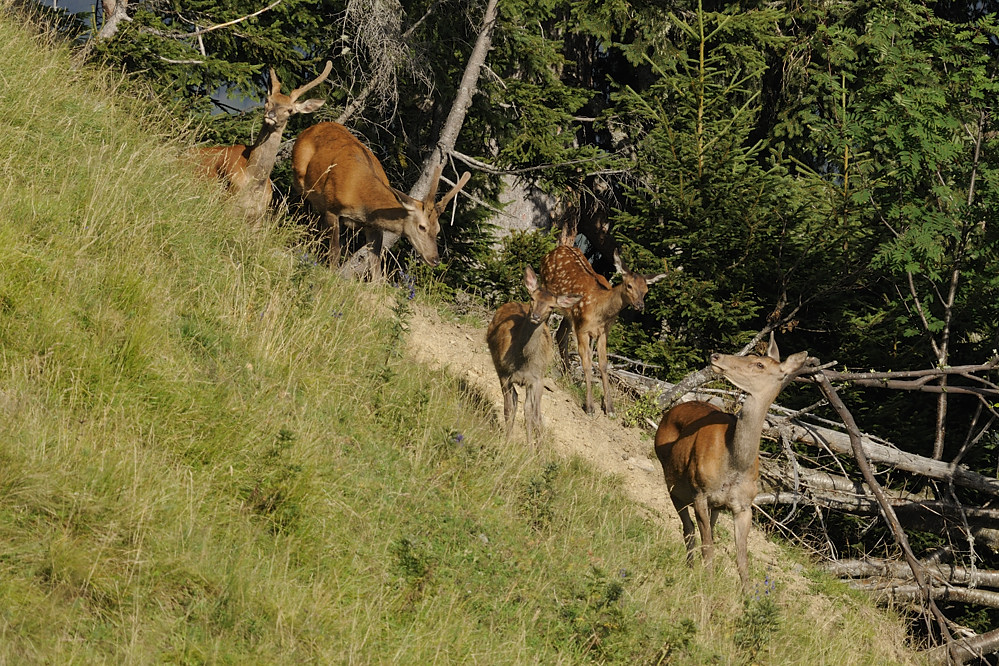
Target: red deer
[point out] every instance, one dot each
(247, 169)
(565, 270)
(711, 459)
(521, 347)
(342, 179)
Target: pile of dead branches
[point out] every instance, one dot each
(855, 472)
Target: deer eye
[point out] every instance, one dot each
(759, 365)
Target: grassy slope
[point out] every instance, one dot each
(210, 450)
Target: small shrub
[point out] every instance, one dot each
(642, 410)
(675, 639)
(280, 486)
(414, 565)
(539, 497)
(760, 619)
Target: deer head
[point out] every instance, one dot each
(421, 224)
(542, 300)
(280, 107)
(763, 376)
(636, 286)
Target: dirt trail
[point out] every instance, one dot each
(604, 442)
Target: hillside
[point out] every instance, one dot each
(216, 451)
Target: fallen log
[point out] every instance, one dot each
(839, 442)
(965, 649)
(948, 573)
(896, 592)
(916, 515)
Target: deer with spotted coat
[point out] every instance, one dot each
(343, 181)
(711, 459)
(246, 170)
(565, 270)
(521, 346)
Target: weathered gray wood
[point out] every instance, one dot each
(897, 570)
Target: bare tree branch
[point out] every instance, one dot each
(380, 76)
(965, 649)
(219, 26)
(887, 511)
(488, 168)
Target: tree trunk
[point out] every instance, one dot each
(456, 118)
(115, 11)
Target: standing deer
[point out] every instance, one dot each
(341, 178)
(247, 169)
(565, 270)
(521, 347)
(711, 459)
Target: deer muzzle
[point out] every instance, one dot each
(715, 360)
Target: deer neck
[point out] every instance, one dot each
(745, 444)
(263, 153)
(612, 304)
(530, 341)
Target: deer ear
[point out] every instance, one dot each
(652, 279)
(567, 302)
(530, 279)
(772, 350)
(794, 363)
(309, 106)
(404, 199)
(618, 264)
(275, 84)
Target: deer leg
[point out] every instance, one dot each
(705, 525)
(329, 235)
(532, 410)
(743, 521)
(562, 341)
(373, 237)
(604, 378)
(509, 404)
(683, 510)
(529, 411)
(585, 343)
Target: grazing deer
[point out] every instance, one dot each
(565, 270)
(521, 347)
(247, 169)
(711, 459)
(342, 179)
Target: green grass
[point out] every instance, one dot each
(212, 450)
